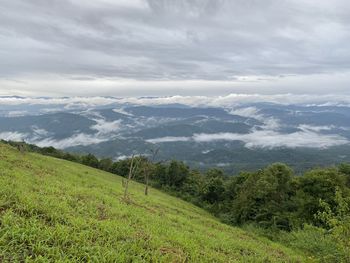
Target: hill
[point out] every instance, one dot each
(55, 210)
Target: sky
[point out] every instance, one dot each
(174, 47)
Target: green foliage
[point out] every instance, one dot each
(337, 221)
(213, 188)
(177, 174)
(106, 164)
(121, 167)
(265, 198)
(313, 186)
(344, 168)
(315, 242)
(90, 160)
(193, 183)
(214, 173)
(52, 210)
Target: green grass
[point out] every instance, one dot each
(53, 210)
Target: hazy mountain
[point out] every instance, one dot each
(231, 136)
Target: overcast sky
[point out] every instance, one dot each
(170, 47)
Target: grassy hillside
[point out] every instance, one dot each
(55, 210)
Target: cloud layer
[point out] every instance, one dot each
(212, 101)
(265, 139)
(149, 47)
(81, 139)
(271, 139)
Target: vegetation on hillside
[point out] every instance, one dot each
(310, 212)
(52, 210)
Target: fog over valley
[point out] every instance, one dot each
(202, 131)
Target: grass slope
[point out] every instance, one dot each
(55, 210)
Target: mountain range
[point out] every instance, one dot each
(232, 136)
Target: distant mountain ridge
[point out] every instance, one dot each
(233, 137)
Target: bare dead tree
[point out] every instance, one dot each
(147, 168)
(132, 169)
(21, 147)
(123, 182)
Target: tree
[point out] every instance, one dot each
(148, 167)
(51, 151)
(193, 184)
(214, 173)
(106, 164)
(90, 160)
(21, 147)
(121, 167)
(177, 174)
(337, 221)
(315, 185)
(159, 175)
(213, 189)
(234, 185)
(344, 168)
(70, 157)
(265, 198)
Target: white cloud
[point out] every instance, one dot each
(40, 132)
(233, 100)
(105, 131)
(270, 123)
(306, 127)
(13, 136)
(236, 99)
(17, 113)
(81, 139)
(169, 139)
(122, 157)
(223, 164)
(271, 139)
(250, 112)
(69, 101)
(266, 139)
(122, 111)
(104, 127)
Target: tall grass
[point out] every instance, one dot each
(53, 210)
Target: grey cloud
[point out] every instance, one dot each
(173, 39)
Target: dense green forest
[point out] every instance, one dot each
(273, 201)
